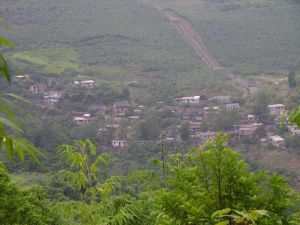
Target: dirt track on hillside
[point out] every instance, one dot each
(184, 27)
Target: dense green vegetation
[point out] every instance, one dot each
(103, 41)
(209, 185)
(50, 60)
(250, 37)
(188, 188)
(24, 207)
(81, 183)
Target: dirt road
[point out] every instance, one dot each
(184, 27)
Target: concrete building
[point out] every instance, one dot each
(52, 97)
(205, 136)
(246, 130)
(251, 118)
(36, 89)
(84, 119)
(119, 144)
(193, 114)
(21, 78)
(195, 127)
(85, 83)
(232, 106)
(211, 110)
(189, 100)
(121, 108)
(276, 109)
(294, 130)
(276, 140)
(221, 99)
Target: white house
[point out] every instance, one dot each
(251, 118)
(205, 136)
(85, 83)
(121, 108)
(276, 109)
(276, 140)
(221, 99)
(52, 97)
(21, 78)
(119, 144)
(209, 110)
(232, 106)
(88, 83)
(84, 119)
(247, 130)
(294, 130)
(37, 89)
(189, 100)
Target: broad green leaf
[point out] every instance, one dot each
(4, 71)
(223, 223)
(220, 213)
(15, 127)
(5, 42)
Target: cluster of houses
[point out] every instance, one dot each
(193, 115)
(192, 109)
(246, 130)
(52, 96)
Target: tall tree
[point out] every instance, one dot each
(260, 104)
(83, 162)
(292, 79)
(24, 207)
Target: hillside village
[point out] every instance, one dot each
(191, 117)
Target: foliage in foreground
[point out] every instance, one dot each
(209, 185)
(11, 140)
(23, 207)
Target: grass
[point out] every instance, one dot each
(50, 60)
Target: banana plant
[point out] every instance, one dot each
(83, 162)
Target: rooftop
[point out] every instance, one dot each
(276, 105)
(276, 138)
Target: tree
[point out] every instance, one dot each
(214, 178)
(84, 167)
(185, 131)
(208, 185)
(24, 207)
(237, 217)
(149, 129)
(292, 79)
(225, 120)
(295, 116)
(260, 104)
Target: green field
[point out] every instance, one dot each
(250, 37)
(50, 60)
(103, 39)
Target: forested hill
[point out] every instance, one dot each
(149, 112)
(249, 37)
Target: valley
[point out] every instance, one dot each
(175, 49)
(149, 112)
